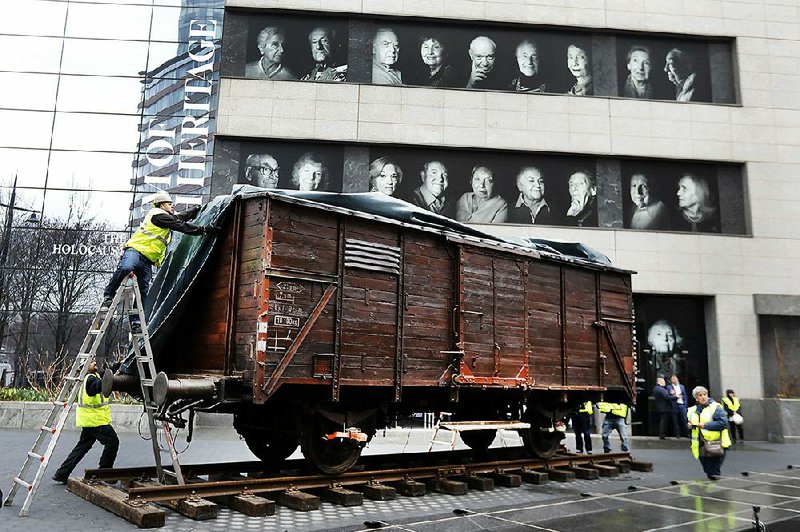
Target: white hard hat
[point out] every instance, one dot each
(161, 197)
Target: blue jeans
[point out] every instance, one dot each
(131, 261)
(609, 424)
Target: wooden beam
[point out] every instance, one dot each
(115, 501)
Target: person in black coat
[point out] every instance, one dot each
(665, 408)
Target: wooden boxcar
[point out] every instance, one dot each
(312, 319)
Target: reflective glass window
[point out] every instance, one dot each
(30, 54)
(34, 17)
(172, 24)
(95, 132)
(90, 170)
(107, 21)
(99, 94)
(111, 209)
(25, 129)
(28, 91)
(26, 202)
(110, 58)
(28, 166)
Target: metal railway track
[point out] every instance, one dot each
(377, 477)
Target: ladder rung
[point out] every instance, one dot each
(147, 382)
(51, 430)
(23, 483)
(60, 403)
(36, 455)
(68, 378)
(168, 472)
(95, 331)
(84, 356)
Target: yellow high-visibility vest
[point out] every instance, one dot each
(733, 404)
(586, 408)
(706, 416)
(617, 409)
(149, 239)
(93, 410)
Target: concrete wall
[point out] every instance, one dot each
(125, 418)
(762, 132)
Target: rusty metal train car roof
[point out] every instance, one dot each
(386, 209)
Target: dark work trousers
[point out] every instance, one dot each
(105, 434)
(131, 261)
(582, 425)
(712, 465)
(733, 428)
(669, 420)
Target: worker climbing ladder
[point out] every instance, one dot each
(129, 294)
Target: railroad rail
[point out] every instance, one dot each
(377, 477)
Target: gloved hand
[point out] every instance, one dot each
(210, 229)
(191, 213)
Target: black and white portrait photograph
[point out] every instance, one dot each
(290, 47)
(663, 69)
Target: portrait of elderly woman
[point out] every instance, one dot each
(261, 170)
(436, 70)
(696, 210)
(666, 348)
(310, 173)
(649, 212)
(531, 206)
(384, 176)
(680, 69)
(270, 43)
(582, 210)
(639, 65)
(482, 205)
(579, 63)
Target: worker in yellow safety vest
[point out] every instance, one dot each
(616, 413)
(148, 247)
(94, 417)
(582, 425)
(732, 407)
(708, 419)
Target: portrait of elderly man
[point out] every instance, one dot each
(270, 43)
(579, 64)
(649, 212)
(531, 206)
(482, 205)
(430, 195)
(582, 210)
(261, 170)
(323, 45)
(696, 210)
(482, 75)
(385, 53)
(528, 78)
(666, 345)
(680, 69)
(436, 71)
(384, 176)
(310, 173)
(639, 65)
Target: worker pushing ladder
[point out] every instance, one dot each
(129, 294)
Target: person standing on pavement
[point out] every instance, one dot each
(582, 425)
(148, 247)
(708, 421)
(666, 409)
(93, 415)
(616, 413)
(678, 390)
(732, 406)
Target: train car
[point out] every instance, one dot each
(317, 318)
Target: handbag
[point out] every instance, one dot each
(711, 448)
(737, 418)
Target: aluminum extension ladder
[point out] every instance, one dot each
(49, 433)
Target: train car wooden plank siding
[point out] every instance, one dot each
(318, 318)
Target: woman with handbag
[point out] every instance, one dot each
(734, 410)
(710, 437)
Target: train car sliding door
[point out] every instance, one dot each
(491, 314)
(368, 350)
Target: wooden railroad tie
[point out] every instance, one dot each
(195, 508)
(143, 515)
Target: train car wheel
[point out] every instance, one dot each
(478, 440)
(538, 442)
(331, 456)
(270, 447)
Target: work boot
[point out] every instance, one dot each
(60, 480)
(136, 328)
(106, 305)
